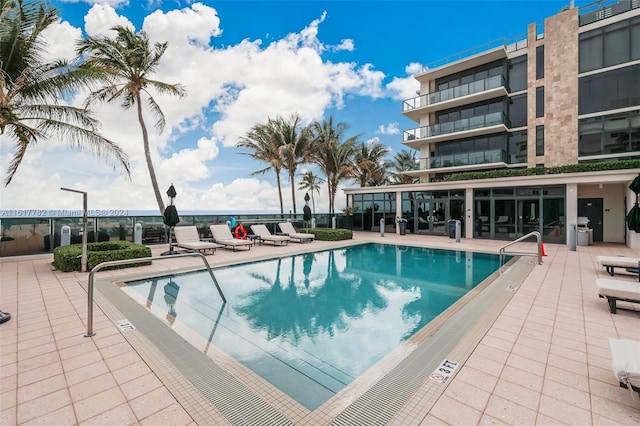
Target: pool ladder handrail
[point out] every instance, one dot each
(134, 261)
(504, 253)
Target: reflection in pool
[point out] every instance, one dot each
(311, 323)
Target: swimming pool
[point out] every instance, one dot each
(311, 323)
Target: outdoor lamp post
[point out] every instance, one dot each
(83, 259)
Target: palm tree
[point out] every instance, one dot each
(264, 142)
(31, 86)
(311, 183)
(399, 164)
(332, 155)
(125, 64)
(370, 169)
(294, 149)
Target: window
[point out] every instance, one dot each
(611, 45)
(539, 102)
(539, 141)
(610, 90)
(518, 111)
(616, 44)
(517, 149)
(539, 62)
(518, 74)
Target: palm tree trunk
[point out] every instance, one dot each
(279, 191)
(293, 192)
(147, 154)
(313, 202)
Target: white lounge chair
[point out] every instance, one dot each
(614, 290)
(612, 262)
(288, 229)
(188, 238)
(222, 235)
(625, 361)
(265, 236)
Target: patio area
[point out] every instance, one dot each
(545, 359)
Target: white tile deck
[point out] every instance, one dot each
(545, 360)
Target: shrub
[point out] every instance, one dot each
(68, 258)
(328, 234)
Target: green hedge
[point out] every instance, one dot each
(68, 258)
(571, 168)
(328, 234)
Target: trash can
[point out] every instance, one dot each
(583, 237)
(452, 228)
(403, 227)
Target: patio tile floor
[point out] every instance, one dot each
(545, 360)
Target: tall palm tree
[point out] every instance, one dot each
(125, 63)
(294, 149)
(370, 168)
(263, 142)
(31, 86)
(399, 164)
(332, 155)
(311, 183)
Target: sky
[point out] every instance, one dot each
(242, 62)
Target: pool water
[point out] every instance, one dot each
(311, 323)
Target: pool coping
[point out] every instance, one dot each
(358, 401)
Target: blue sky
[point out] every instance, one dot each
(244, 61)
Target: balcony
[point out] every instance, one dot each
(475, 91)
(467, 127)
(495, 158)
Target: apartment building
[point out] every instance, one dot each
(567, 94)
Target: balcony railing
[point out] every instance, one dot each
(457, 160)
(454, 92)
(493, 119)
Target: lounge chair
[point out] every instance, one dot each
(614, 290)
(222, 235)
(630, 264)
(188, 238)
(287, 229)
(625, 361)
(265, 236)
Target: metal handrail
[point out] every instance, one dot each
(504, 253)
(134, 261)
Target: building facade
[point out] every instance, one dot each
(567, 94)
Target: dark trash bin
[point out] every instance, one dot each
(452, 228)
(403, 228)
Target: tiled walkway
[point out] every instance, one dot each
(544, 361)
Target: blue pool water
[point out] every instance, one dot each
(311, 323)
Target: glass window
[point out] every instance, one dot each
(539, 140)
(635, 41)
(616, 44)
(609, 90)
(590, 52)
(518, 111)
(517, 149)
(518, 74)
(539, 102)
(539, 62)
(590, 139)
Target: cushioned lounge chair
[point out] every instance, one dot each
(187, 237)
(265, 236)
(614, 290)
(288, 229)
(631, 264)
(625, 361)
(222, 235)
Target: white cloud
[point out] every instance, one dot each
(346, 44)
(112, 3)
(101, 18)
(401, 88)
(389, 129)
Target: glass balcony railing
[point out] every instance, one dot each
(454, 92)
(457, 160)
(493, 119)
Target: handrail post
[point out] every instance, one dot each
(96, 268)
